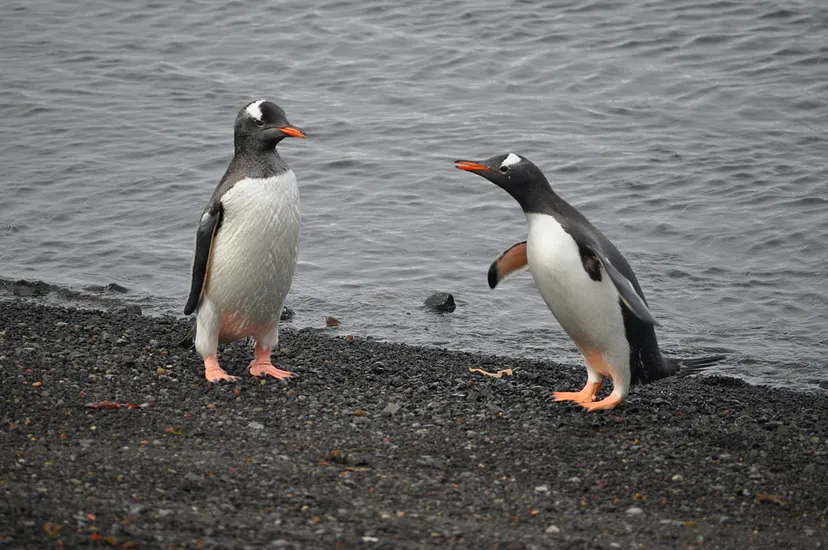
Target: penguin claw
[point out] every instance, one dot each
(227, 378)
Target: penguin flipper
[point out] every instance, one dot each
(626, 290)
(205, 235)
(511, 260)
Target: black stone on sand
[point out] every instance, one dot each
(376, 445)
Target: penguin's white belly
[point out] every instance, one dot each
(254, 254)
(589, 311)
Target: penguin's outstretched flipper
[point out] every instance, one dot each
(510, 261)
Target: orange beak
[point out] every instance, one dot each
(293, 132)
(469, 166)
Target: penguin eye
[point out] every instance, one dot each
(504, 169)
(259, 122)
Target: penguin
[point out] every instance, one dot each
(246, 245)
(587, 284)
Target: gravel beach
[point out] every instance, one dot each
(377, 445)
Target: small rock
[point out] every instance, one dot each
(255, 425)
(431, 462)
(574, 479)
(391, 408)
(332, 322)
(115, 287)
(678, 477)
(725, 520)
(553, 530)
(671, 522)
(542, 489)
(634, 511)
(441, 301)
(370, 539)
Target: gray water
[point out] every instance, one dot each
(693, 134)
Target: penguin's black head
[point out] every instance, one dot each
(262, 125)
(513, 173)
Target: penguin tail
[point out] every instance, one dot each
(688, 367)
(188, 342)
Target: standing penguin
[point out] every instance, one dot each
(247, 244)
(586, 283)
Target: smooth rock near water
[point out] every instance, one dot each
(441, 301)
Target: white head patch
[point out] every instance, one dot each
(255, 109)
(510, 160)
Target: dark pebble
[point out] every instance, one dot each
(441, 301)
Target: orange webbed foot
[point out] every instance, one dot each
(269, 370)
(586, 395)
(214, 373)
(608, 403)
(261, 366)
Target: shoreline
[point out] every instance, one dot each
(381, 445)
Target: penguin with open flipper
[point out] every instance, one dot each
(587, 284)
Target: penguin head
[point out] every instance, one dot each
(261, 125)
(515, 174)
